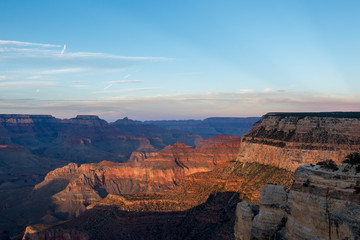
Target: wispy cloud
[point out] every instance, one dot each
(27, 44)
(187, 106)
(62, 71)
(122, 91)
(111, 83)
(4, 78)
(26, 84)
(34, 77)
(125, 81)
(246, 90)
(56, 59)
(79, 86)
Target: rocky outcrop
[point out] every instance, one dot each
(202, 206)
(34, 232)
(321, 204)
(245, 213)
(146, 172)
(289, 140)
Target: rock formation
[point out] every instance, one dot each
(202, 206)
(159, 137)
(151, 172)
(33, 145)
(289, 140)
(321, 204)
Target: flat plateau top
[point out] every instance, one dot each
(315, 114)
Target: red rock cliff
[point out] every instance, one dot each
(288, 140)
(147, 172)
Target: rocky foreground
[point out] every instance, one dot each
(321, 204)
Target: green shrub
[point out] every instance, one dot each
(352, 158)
(328, 164)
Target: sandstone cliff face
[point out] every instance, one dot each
(289, 140)
(202, 206)
(146, 172)
(321, 204)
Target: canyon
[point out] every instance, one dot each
(217, 188)
(43, 142)
(202, 206)
(89, 183)
(31, 146)
(67, 191)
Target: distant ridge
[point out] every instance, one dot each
(25, 116)
(209, 127)
(315, 114)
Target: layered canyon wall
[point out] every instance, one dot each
(145, 172)
(289, 140)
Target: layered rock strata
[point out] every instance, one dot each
(321, 204)
(289, 140)
(150, 172)
(202, 206)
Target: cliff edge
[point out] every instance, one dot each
(323, 203)
(289, 140)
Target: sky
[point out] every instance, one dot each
(152, 60)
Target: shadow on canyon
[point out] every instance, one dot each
(213, 219)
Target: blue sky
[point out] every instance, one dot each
(178, 59)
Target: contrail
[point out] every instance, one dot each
(108, 87)
(63, 51)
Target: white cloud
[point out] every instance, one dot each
(125, 81)
(37, 77)
(26, 84)
(62, 71)
(187, 106)
(246, 90)
(268, 90)
(79, 86)
(90, 55)
(123, 91)
(56, 59)
(5, 78)
(27, 44)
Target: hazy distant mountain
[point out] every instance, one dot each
(209, 127)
